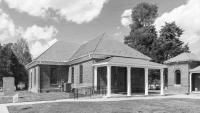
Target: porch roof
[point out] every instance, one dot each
(121, 61)
(195, 70)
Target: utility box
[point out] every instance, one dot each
(67, 87)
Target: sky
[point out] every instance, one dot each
(44, 22)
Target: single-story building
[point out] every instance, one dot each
(102, 61)
(184, 73)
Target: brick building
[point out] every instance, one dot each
(184, 73)
(102, 61)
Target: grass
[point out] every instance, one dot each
(131, 106)
(25, 96)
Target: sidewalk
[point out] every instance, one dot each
(3, 107)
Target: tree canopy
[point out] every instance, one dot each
(13, 59)
(160, 46)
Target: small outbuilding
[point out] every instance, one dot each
(184, 73)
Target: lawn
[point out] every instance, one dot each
(25, 96)
(131, 106)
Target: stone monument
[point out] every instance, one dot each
(8, 86)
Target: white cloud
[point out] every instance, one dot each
(187, 17)
(118, 27)
(38, 33)
(78, 11)
(37, 48)
(39, 38)
(126, 18)
(7, 27)
(117, 34)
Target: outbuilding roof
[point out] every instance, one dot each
(107, 45)
(120, 61)
(197, 69)
(183, 57)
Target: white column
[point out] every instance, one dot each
(95, 77)
(146, 81)
(38, 76)
(128, 81)
(190, 82)
(108, 81)
(161, 82)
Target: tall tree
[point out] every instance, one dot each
(23, 55)
(143, 36)
(13, 59)
(5, 60)
(144, 14)
(143, 33)
(168, 45)
(21, 50)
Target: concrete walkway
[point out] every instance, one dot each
(3, 107)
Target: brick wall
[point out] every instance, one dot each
(34, 77)
(42, 75)
(45, 73)
(184, 87)
(88, 77)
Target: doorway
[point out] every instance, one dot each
(121, 79)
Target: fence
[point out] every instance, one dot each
(90, 91)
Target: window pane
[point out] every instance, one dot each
(35, 76)
(81, 74)
(72, 79)
(177, 77)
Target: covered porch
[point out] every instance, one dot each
(131, 74)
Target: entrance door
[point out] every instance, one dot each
(122, 79)
(196, 82)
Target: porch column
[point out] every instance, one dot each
(146, 81)
(161, 82)
(190, 82)
(38, 75)
(128, 81)
(95, 77)
(108, 81)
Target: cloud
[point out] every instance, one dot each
(37, 48)
(126, 18)
(187, 17)
(39, 38)
(78, 11)
(38, 33)
(117, 34)
(7, 27)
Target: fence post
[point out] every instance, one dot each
(77, 94)
(74, 93)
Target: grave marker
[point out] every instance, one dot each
(8, 86)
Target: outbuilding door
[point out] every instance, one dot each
(196, 82)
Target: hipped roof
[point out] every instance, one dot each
(183, 57)
(107, 45)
